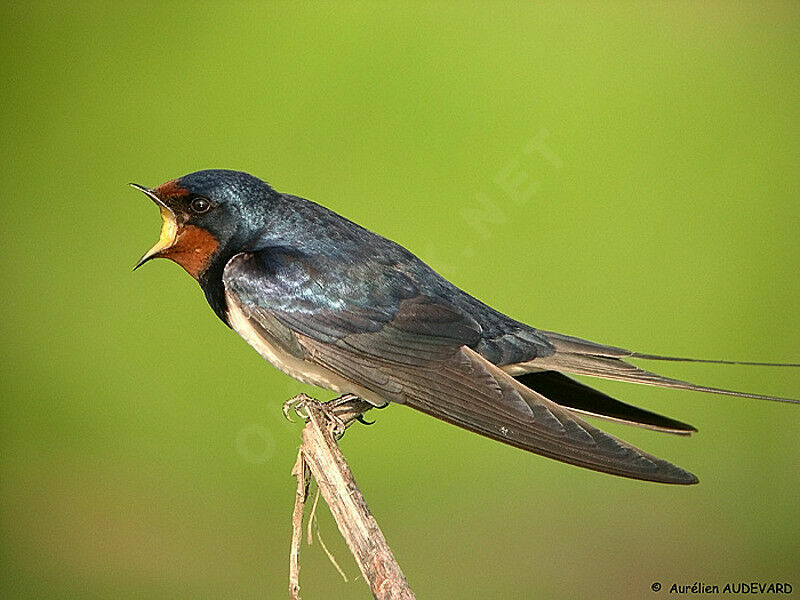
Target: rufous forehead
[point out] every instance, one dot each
(171, 189)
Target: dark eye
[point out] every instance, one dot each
(200, 205)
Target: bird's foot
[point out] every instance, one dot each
(296, 403)
(344, 411)
(341, 412)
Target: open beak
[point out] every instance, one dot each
(169, 227)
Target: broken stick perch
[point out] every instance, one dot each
(320, 455)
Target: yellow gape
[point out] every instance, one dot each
(169, 231)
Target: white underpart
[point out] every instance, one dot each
(302, 370)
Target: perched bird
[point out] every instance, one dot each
(337, 306)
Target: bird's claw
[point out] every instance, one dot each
(341, 412)
(340, 422)
(296, 403)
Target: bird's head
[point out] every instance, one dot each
(205, 215)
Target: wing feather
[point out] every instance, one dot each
(416, 350)
(468, 391)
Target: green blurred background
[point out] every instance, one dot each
(143, 449)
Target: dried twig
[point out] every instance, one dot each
(320, 454)
(301, 473)
(312, 519)
(329, 554)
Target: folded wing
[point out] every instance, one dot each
(414, 349)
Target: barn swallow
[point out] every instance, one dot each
(337, 306)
